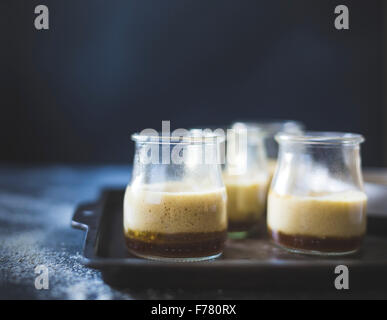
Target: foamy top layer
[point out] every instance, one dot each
(185, 186)
(245, 180)
(176, 189)
(348, 196)
(341, 214)
(175, 209)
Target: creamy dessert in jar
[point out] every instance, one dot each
(175, 221)
(246, 178)
(246, 201)
(318, 222)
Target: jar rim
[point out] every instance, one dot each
(190, 137)
(250, 127)
(321, 137)
(272, 126)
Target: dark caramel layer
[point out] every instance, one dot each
(330, 244)
(177, 245)
(240, 226)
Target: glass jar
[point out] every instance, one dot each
(316, 202)
(246, 178)
(175, 205)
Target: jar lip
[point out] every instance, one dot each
(273, 126)
(250, 127)
(321, 137)
(190, 137)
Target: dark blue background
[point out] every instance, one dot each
(107, 68)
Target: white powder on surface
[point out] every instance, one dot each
(36, 207)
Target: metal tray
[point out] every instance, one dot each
(249, 263)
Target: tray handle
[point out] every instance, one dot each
(83, 216)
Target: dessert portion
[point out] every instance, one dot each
(329, 222)
(246, 201)
(173, 221)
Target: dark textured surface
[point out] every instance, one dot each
(36, 207)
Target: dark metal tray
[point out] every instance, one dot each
(254, 263)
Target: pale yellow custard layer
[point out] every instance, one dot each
(340, 215)
(246, 199)
(175, 209)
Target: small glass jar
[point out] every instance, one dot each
(316, 203)
(246, 179)
(175, 205)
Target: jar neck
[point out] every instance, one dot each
(179, 153)
(318, 167)
(246, 154)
